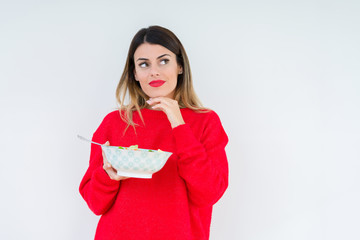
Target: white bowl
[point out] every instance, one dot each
(141, 163)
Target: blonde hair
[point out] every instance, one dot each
(129, 87)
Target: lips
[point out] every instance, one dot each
(156, 83)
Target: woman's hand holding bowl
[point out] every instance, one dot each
(109, 169)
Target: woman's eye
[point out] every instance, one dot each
(142, 65)
(164, 61)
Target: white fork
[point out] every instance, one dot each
(87, 140)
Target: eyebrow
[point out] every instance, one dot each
(156, 58)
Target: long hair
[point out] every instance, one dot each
(129, 87)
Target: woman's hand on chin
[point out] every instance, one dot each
(170, 107)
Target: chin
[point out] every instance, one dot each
(154, 95)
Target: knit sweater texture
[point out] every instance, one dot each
(177, 202)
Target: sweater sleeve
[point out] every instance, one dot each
(203, 163)
(96, 187)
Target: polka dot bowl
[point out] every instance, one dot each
(140, 163)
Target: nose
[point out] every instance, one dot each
(154, 71)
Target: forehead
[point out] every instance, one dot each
(147, 50)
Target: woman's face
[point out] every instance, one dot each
(157, 70)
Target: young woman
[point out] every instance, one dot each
(162, 112)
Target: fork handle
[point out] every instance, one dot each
(87, 140)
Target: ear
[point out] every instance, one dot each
(180, 70)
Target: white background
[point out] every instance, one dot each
(283, 76)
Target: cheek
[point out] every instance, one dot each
(143, 85)
(141, 76)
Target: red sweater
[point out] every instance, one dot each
(176, 203)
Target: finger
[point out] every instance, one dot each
(107, 166)
(110, 170)
(160, 106)
(155, 100)
(112, 173)
(118, 178)
(103, 153)
(152, 101)
(104, 157)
